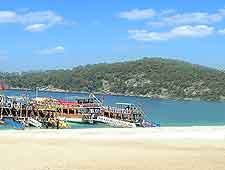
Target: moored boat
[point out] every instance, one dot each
(13, 123)
(34, 122)
(52, 113)
(115, 122)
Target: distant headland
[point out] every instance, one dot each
(147, 77)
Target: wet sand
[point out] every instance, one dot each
(190, 148)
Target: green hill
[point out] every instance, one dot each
(152, 77)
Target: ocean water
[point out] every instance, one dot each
(166, 112)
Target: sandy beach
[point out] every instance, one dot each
(181, 148)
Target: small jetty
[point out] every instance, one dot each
(42, 112)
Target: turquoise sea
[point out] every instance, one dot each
(167, 112)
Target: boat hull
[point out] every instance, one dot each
(115, 122)
(13, 123)
(71, 118)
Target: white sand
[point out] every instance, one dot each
(114, 149)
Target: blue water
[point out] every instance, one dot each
(167, 112)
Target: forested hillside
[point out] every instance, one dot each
(152, 77)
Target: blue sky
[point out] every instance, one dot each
(53, 34)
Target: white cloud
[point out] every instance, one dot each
(48, 17)
(8, 17)
(54, 50)
(167, 12)
(144, 35)
(178, 32)
(222, 32)
(137, 14)
(33, 21)
(192, 31)
(36, 27)
(187, 24)
(172, 18)
(194, 18)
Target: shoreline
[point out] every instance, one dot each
(119, 94)
(193, 133)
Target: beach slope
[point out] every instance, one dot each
(190, 148)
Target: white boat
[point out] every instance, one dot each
(34, 122)
(72, 120)
(115, 122)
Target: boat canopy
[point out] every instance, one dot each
(78, 98)
(63, 102)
